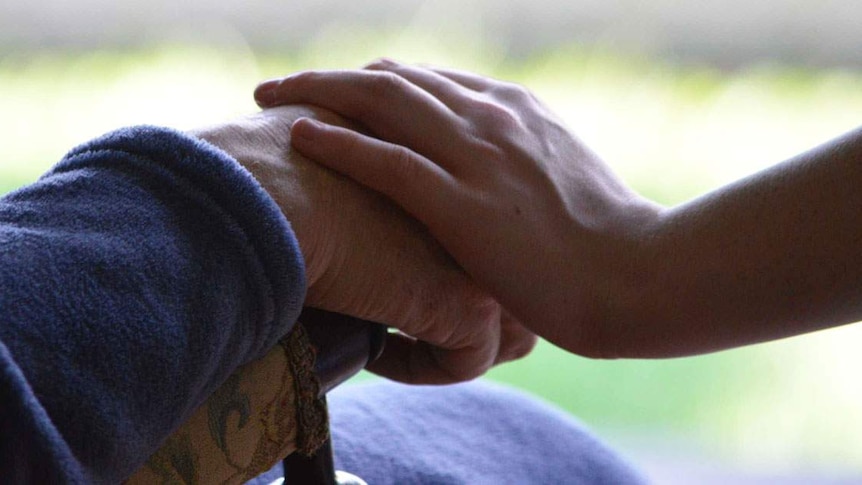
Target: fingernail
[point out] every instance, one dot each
(306, 129)
(264, 93)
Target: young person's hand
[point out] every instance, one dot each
(517, 200)
(540, 221)
(366, 258)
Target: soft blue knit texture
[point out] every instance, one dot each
(144, 268)
(476, 433)
(136, 275)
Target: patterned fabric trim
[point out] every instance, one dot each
(266, 410)
(312, 416)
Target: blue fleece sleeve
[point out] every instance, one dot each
(136, 275)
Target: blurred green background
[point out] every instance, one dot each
(672, 128)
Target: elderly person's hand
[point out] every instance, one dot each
(366, 258)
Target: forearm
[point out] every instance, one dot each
(540, 222)
(138, 274)
(774, 255)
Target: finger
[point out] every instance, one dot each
(412, 361)
(415, 183)
(387, 104)
(445, 347)
(494, 89)
(515, 340)
(466, 103)
(467, 79)
(451, 93)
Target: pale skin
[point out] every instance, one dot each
(366, 258)
(544, 224)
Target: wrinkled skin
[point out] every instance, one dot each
(366, 258)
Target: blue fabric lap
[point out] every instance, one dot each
(474, 433)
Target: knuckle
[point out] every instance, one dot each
(352, 147)
(471, 331)
(486, 308)
(523, 347)
(373, 64)
(477, 304)
(484, 149)
(379, 63)
(472, 310)
(482, 317)
(512, 91)
(382, 84)
(519, 91)
(403, 165)
(495, 115)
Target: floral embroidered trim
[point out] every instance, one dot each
(311, 412)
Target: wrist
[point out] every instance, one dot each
(618, 278)
(265, 154)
